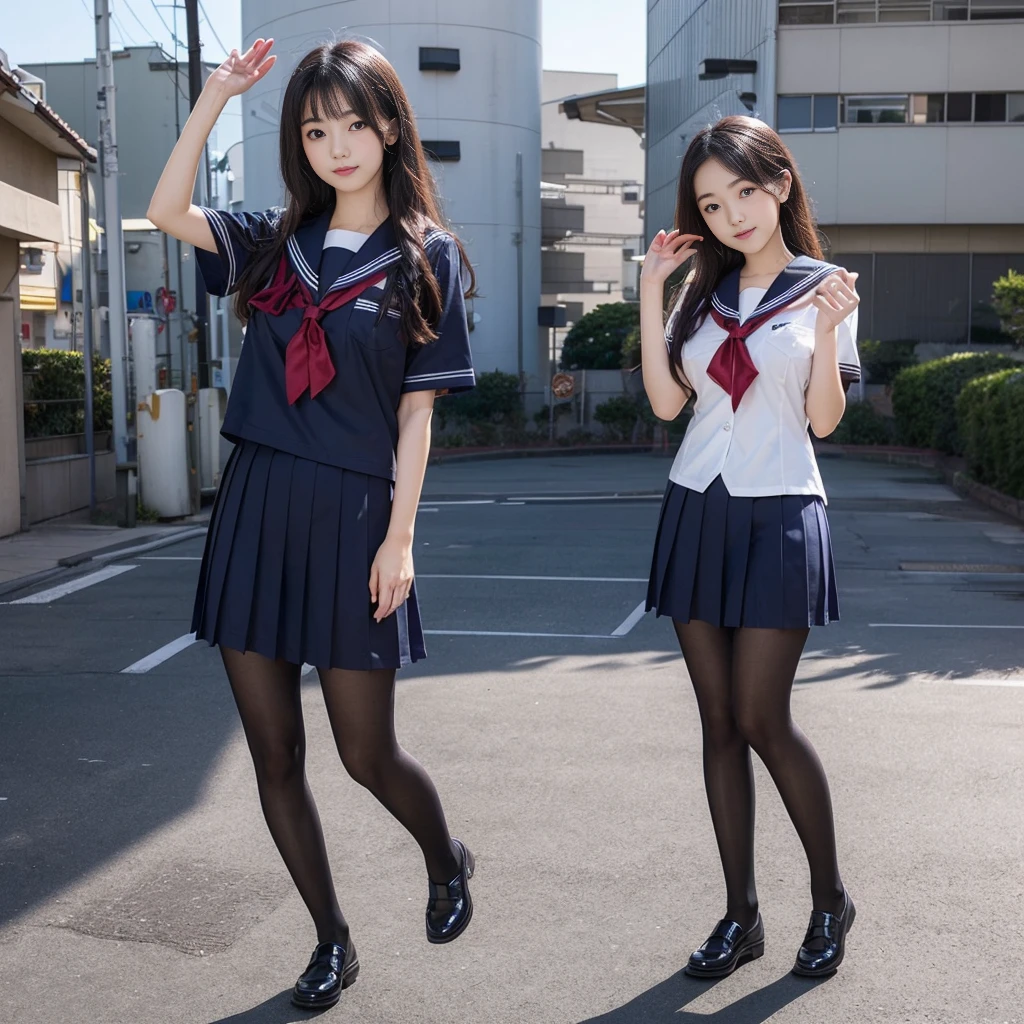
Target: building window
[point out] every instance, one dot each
(826, 113)
(990, 106)
(794, 114)
(875, 109)
(808, 113)
(445, 151)
(959, 106)
(853, 12)
(439, 58)
(797, 13)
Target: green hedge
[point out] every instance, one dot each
(624, 416)
(862, 424)
(595, 341)
(990, 411)
(883, 360)
(58, 378)
(924, 397)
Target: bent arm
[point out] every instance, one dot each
(666, 396)
(171, 209)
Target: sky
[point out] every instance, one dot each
(576, 33)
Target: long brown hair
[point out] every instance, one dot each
(755, 153)
(352, 75)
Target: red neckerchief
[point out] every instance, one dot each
(307, 362)
(731, 368)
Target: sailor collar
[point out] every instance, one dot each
(799, 276)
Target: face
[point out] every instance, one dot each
(739, 213)
(344, 151)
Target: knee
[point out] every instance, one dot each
(760, 729)
(365, 764)
(279, 763)
(721, 730)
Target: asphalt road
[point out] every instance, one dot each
(138, 883)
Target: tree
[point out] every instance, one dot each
(1008, 302)
(595, 341)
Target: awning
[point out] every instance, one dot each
(38, 297)
(609, 106)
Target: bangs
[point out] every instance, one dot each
(331, 97)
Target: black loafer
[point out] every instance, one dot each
(727, 948)
(450, 907)
(332, 967)
(825, 942)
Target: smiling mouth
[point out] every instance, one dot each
(343, 170)
(746, 234)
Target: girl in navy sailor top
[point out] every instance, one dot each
(353, 299)
(762, 336)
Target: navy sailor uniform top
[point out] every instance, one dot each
(351, 419)
(749, 364)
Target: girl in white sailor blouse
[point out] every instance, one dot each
(763, 336)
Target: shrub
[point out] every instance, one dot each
(596, 339)
(1008, 302)
(862, 424)
(990, 411)
(58, 379)
(495, 399)
(924, 397)
(626, 417)
(882, 360)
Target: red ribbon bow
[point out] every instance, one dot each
(307, 361)
(731, 368)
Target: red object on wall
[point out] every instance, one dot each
(26, 332)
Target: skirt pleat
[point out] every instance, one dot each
(762, 562)
(287, 565)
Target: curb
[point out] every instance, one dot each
(486, 454)
(949, 466)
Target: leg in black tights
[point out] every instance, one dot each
(267, 695)
(361, 708)
(743, 679)
(728, 773)
(764, 665)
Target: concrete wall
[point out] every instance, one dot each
(899, 173)
(492, 106)
(11, 419)
(26, 164)
(680, 34)
(609, 152)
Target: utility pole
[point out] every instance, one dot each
(195, 87)
(116, 297)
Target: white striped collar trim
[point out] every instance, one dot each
(367, 270)
(219, 229)
(783, 298)
(440, 376)
(302, 268)
(374, 307)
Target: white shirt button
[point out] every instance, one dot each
(728, 426)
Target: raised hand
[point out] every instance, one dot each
(836, 298)
(240, 73)
(667, 253)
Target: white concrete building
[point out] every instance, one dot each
(472, 72)
(906, 118)
(592, 210)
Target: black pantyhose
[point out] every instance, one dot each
(743, 679)
(360, 706)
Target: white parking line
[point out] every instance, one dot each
(589, 497)
(158, 657)
(988, 682)
(489, 632)
(56, 593)
(549, 579)
(631, 620)
(170, 558)
(938, 625)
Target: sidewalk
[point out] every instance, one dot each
(57, 544)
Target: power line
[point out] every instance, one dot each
(169, 30)
(138, 20)
(122, 32)
(212, 29)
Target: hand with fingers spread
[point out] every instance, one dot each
(391, 577)
(239, 73)
(668, 252)
(836, 298)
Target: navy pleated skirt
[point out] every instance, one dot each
(287, 565)
(733, 561)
